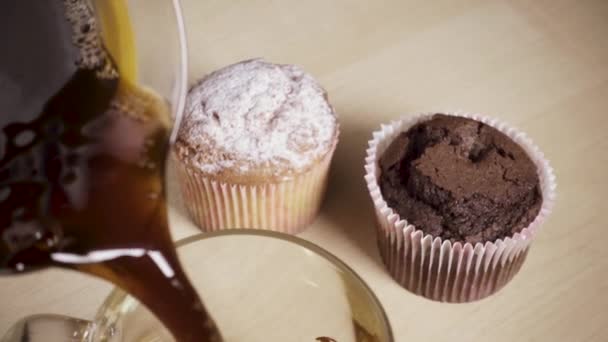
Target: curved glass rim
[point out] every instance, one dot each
(118, 294)
(182, 74)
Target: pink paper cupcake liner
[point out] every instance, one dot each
(439, 269)
(287, 206)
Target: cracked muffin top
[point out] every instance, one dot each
(460, 179)
(256, 120)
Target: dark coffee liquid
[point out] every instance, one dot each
(82, 156)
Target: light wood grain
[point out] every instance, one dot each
(540, 65)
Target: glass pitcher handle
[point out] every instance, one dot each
(50, 328)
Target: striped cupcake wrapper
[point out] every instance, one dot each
(287, 206)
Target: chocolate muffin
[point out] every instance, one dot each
(460, 179)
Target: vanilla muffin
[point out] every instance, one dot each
(255, 146)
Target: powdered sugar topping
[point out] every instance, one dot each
(256, 114)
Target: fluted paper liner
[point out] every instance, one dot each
(439, 269)
(286, 206)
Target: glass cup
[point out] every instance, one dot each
(258, 285)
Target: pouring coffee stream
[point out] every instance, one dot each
(82, 154)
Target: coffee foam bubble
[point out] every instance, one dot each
(87, 38)
(129, 100)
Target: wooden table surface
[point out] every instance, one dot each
(540, 65)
